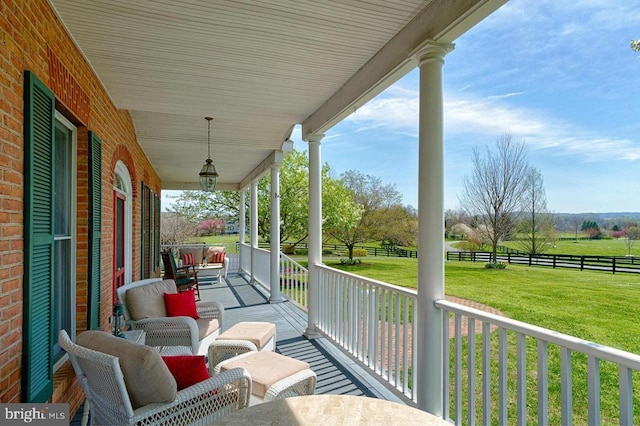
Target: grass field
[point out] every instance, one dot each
(611, 247)
(593, 306)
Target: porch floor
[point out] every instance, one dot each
(337, 373)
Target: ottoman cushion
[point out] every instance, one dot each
(257, 333)
(266, 368)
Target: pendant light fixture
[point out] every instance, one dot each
(208, 174)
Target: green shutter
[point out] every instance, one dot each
(157, 232)
(39, 122)
(143, 225)
(95, 229)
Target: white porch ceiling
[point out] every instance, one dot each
(258, 67)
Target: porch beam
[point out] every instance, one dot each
(442, 21)
(430, 227)
(315, 233)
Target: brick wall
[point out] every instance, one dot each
(32, 38)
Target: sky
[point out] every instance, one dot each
(557, 75)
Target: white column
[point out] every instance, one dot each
(253, 228)
(275, 234)
(241, 223)
(315, 233)
(430, 228)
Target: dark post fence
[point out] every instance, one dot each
(611, 264)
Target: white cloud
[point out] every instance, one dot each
(493, 116)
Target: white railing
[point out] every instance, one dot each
(245, 259)
(294, 281)
(519, 373)
(373, 321)
(262, 267)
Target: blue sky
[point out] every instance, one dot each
(558, 75)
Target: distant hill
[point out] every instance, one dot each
(568, 221)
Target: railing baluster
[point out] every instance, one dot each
(457, 396)
(626, 396)
(543, 384)
(397, 341)
(502, 377)
(566, 386)
(521, 366)
(383, 331)
(593, 386)
(405, 344)
(471, 371)
(389, 345)
(414, 353)
(446, 358)
(486, 373)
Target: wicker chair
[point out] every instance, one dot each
(166, 331)
(102, 380)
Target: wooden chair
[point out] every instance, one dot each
(186, 276)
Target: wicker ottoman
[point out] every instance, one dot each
(242, 338)
(273, 376)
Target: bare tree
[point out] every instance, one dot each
(536, 222)
(493, 191)
(633, 234)
(176, 229)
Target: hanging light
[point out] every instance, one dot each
(208, 174)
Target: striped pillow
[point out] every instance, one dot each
(187, 259)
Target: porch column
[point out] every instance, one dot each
(253, 228)
(430, 227)
(315, 233)
(275, 234)
(241, 223)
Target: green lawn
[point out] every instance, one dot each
(589, 247)
(594, 306)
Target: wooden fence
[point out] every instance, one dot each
(611, 264)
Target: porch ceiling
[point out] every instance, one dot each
(257, 67)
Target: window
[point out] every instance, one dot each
(64, 277)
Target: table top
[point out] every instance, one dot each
(343, 410)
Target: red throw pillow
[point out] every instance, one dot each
(187, 369)
(187, 259)
(218, 257)
(181, 304)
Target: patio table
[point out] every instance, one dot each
(344, 410)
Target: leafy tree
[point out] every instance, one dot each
(494, 190)
(176, 229)
(398, 225)
(635, 45)
(536, 222)
(367, 195)
(591, 229)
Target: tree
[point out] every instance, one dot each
(398, 225)
(633, 234)
(211, 227)
(536, 222)
(494, 190)
(591, 229)
(176, 229)
(358, 224)
(635, 45)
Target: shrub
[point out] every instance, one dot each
(347, 261)
(327, 251)
(495, 265)
(359, 252)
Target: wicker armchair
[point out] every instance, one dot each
(164, 331)
(103, 382)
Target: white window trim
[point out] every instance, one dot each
(122, 170)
